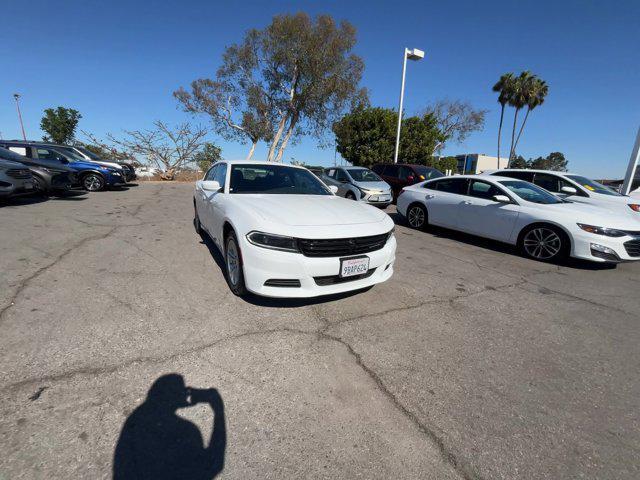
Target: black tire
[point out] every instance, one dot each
(196, 220)
(417, 216)
(93, 182)
(235, 277)
(40, 186)
(350, 196)
(545, 243)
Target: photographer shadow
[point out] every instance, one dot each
(156, 443)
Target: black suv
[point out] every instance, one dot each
(47, 178)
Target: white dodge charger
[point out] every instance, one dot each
(544, 226)
(283, 233)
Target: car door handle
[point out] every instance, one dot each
(466, 202)
(429, 197)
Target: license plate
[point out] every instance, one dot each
(28, 185)
(384, 198)
(350, 267)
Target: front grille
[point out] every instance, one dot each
(283, 283)
(333, 279)
(633, 247)
(340, 247)
(21, 173)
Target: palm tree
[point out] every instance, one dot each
(518, 100)
(537, 91)
(505, 87)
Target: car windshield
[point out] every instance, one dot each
(70, 153)
(363, 175)
(428, 173)
(275, 180)
(89, 153)
(593, 186)
(9, 155)
(530, 192)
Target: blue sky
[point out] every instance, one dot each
(119, 62)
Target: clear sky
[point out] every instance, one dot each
(118, 63)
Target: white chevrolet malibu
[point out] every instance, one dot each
(542, 225)
(283, 233)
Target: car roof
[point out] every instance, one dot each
(479, 176)
(405, 165)
(535, 170)
(260, 162)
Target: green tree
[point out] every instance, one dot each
(520, 162)
(60, 124)
(504, 87)
(367, 136)
(446, 163)
(518, 100)
(536, 93)
(554, 161)
(206, 157)
(456, 120)
(295, 77)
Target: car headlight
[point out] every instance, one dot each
(273, 242)
(635, 207)
(609, 232)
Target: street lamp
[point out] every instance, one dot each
(17, 96)
(415, 55)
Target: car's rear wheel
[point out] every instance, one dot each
(93, 182)
(233, 263)
(417, 216)
(40, 185)
(544, 242)
(350, 196)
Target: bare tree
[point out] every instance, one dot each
(456, 120)
(170, 149)
(105, 150)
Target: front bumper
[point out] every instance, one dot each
(16, 189)
(381, 199)
(115, 179)
(600, 248)
(315, 274)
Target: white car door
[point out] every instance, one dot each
(202, 197)
(481, 215)
(217, 201)
(443, 199)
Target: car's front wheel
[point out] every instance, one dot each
(93, 182)
(350, 196)
(417, 216)
(233, 263)
(196, 220)
(544, 242)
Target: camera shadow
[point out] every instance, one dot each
(156, 443)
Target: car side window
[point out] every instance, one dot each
(211, 172)
(484, 190)
(220, 175)
(331, 172)
(526, 176)
(341, 176)
(453, 185)
(405, 173)
(391, 170)
(46, 154)
(549, 182)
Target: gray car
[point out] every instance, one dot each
(15, 179)
(359, 183)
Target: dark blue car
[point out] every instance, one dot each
(90, 176)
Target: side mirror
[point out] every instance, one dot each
(210, 185)
(502, 198)
(568, 190)
(333, 189)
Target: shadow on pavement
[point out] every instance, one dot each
(273, 302)
(494, 245)
(156, 443)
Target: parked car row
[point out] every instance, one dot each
(283, 233)
(54, 169)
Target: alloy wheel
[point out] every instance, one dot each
(233, 262)
(415, 217)
(542, 243)
(92, 182)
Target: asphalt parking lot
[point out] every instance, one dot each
(471, 362)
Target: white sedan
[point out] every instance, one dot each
(542, 225)
(283, 233)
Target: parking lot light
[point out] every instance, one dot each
(415, 55)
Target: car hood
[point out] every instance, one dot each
(377, 186)
(10, 164)
(105, 164)
(310, 210)
(599, 216)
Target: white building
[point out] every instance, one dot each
(472, 163)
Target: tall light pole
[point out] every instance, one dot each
(413, 54)
(17, 96)
(633, 164)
